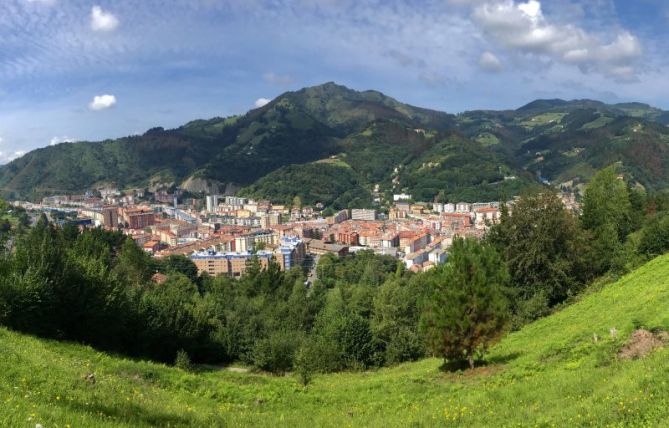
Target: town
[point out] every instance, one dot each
(221, 233)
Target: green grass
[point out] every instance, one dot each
(551, 373)
(598, 123)
(335, 161)
(543, 119)
(487, 139)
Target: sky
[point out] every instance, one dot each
(73, 70)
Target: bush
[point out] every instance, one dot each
(406, 345)
(182, 361)
(655, 238)
(304, 366)
(276, 353)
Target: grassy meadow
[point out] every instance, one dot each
(553, 373)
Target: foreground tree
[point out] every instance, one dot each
(545, 250)
(607, 215)
(467, 310)
(607, 202)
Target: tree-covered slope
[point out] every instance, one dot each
(297, 127)
(569, 140)
(551, 373)
(67, 167)
(397, 158)
(330, 182)
(348, 111)
(378, 137)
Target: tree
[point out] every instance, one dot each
(544, 248)
(341, 339)
(655, 237)
(177, 263)
(394, 320)
(297, 202)
(133, 264)
(607, 201)
(607, 215)
(467, 309)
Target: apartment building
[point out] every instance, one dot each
(137, 217)
(363, 214)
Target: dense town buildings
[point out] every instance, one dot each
(222, 233)
(288, 254)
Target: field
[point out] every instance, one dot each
(543, 119)
(551, 373)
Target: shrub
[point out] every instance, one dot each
(276, 353)
(182, 361)
(655, 238)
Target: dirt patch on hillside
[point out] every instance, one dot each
(641, 343)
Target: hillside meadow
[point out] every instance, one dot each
(551, 373)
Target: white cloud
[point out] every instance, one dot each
(489, 62)
(58, 140)
(8, 157)
(102, 20)
(260, 102)
(523, 28)
(101, 102)
(46, 2)
(277, 79)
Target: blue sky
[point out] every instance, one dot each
(89, 70)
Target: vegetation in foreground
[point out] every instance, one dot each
(363, 313)
(551, 373)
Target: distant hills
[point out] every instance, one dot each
(335, 145)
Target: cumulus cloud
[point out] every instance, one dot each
(101, 102)
(260, 102)
(277, 79)
(489, 62)
(523, 28)
(102, 20)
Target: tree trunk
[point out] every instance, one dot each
(470, 359)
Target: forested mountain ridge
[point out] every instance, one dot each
(563, 141)
(368, 139)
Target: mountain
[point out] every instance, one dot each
(550, 373)
(567, 141)
(339, 145)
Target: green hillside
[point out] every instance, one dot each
(435, 154)
(330, 182)
(570, 140)
(551, 373)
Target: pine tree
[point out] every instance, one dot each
(467, 310)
